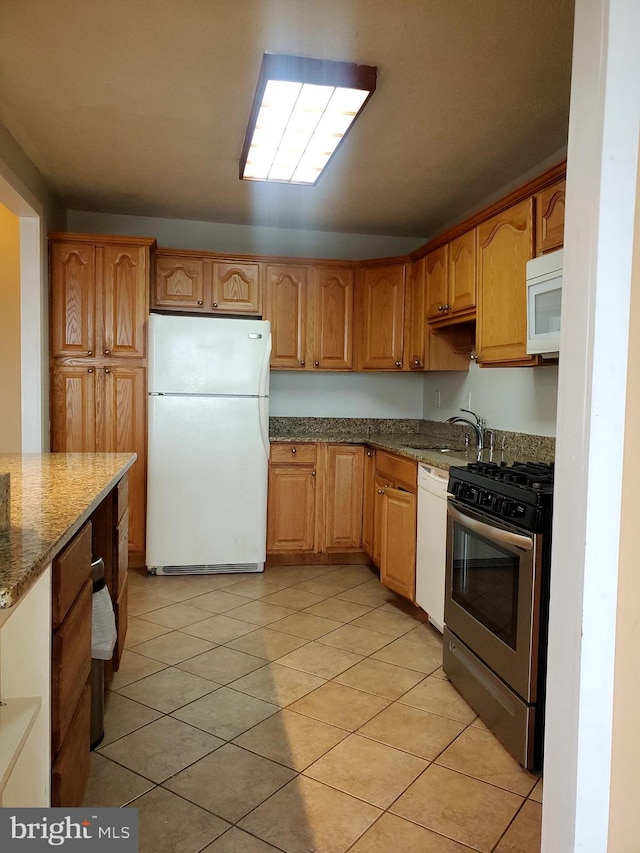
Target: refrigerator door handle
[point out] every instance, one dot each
(254, 336)
(263, 387)
(263, 410)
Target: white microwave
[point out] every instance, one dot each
(544, 301)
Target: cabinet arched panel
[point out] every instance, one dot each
(286, 308)
(179, 283)
(125, 276)
(382, 318)
(236, 288)
(333, 318)
(72, 300)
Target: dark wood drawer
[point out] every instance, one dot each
(121, 551)
(70, 771)
(121, 612)
(70, 665)
(71, 569)
(402, 472)
(122, 496)
(293, 454)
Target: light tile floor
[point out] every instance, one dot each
(300, 710)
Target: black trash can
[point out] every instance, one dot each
(97, 667)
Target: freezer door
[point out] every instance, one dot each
(208, 355)
(207, 482)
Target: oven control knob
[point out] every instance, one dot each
(507, 508)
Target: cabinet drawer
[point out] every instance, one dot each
(70, 665)
(71, 569)
(401, 471)
(121, 611)
(293, 454)
(122, 491)
(70, 772)
(121, 554)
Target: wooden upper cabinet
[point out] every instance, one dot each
(235, 288)
(343, 493)
(73, 409)
(381, 317)
(462, 273)
(286, 308)
(73, 296)
(178, 283)
(505, 244)
(436, 285)
(333, 318)
(125, 275)
(550, 205)
(415, 314)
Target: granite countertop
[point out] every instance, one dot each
(52, 495)
(416, 446)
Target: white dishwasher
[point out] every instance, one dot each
(431, 542)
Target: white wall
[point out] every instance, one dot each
(517, 399)
(346, 395)
(238, 239)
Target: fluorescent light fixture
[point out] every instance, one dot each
(302, 110)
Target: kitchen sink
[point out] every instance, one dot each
(438, 448)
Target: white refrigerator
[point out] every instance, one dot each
(208, 447)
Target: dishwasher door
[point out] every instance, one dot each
(431, 542)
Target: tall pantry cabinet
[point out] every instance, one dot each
(99, 306)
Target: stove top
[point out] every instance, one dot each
(520, 493)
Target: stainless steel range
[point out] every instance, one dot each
(497, 597)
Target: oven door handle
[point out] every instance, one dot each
(496, 534)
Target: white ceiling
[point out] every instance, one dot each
(140, 106)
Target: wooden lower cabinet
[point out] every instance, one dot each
(398, 542)
(291, 509)
(315, 501)
(368, 501)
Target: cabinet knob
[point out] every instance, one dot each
(448, 307)
(317, 363)
(294, 450)
(107, 352)
(398, 364)
(313, 473)
(369, 452)
(90, 352)
(440, 307)
(302, 362)
(200, 302)
(215, 305)
(381, 491)
(90, 370)
(107, 370)
(417, 362)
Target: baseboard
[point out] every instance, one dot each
(296, 558)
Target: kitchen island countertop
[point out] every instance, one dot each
(52, 495)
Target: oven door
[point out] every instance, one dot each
(492, 594)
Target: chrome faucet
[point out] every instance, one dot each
(478, 426)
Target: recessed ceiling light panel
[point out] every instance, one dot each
(302, 110)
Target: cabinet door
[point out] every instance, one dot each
(70, 772)
(368, 500)
(126, 300)
(550, 218)
(179, 283)
(125, 431)
(382, 318)
(236, 288)
(416, 317)
(462, 272)
(291, 509)
(333, 318)
(73, 409)
(286, 308)
(398, 542)
(73, 296)
(380, 484)
(504, 247)
(343, 490)
(435, 276)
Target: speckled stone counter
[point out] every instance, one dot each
(419, 440)
(52, 495)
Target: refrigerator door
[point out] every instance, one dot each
(208, 355)
(207, 484)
